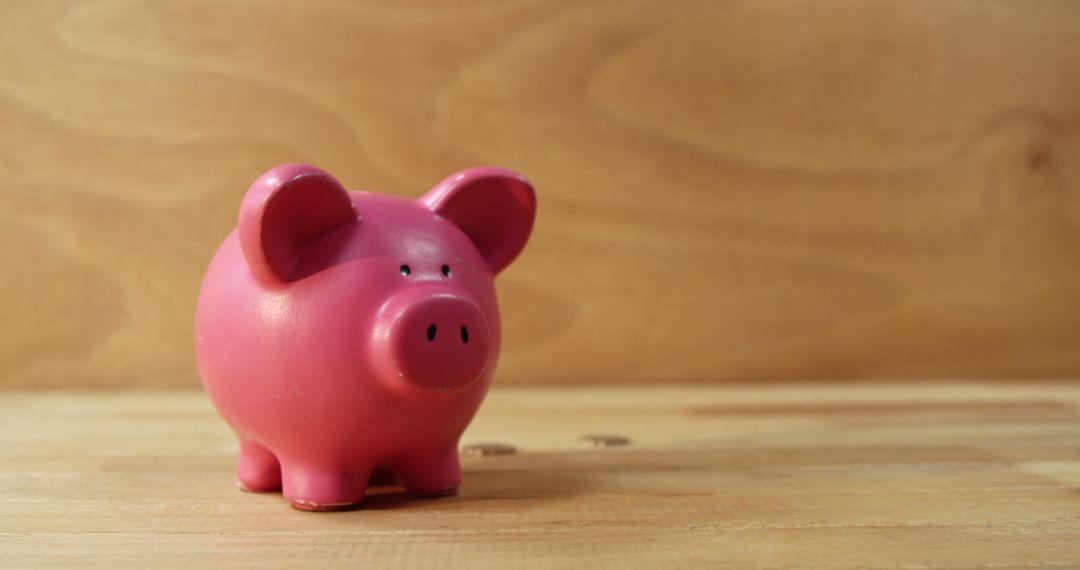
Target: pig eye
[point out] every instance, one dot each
(405, 270)
(446, 270)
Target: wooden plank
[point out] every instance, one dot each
(928, 476)
(727, 192)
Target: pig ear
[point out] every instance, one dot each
(283, 211)
(494, 207)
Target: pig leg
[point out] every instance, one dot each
(257, 470)
(312, 487)
(431, 473)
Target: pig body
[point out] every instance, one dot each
(341, 332)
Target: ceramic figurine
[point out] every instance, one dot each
(340, 332)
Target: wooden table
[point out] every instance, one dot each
(926, 476)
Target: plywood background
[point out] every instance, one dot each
(729, 190)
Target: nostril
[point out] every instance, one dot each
(431, 333)
(465, 335)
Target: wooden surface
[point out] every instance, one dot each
(729, 190)
(911, 476)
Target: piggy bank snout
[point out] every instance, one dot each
(438, 342)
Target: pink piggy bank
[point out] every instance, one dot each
(342, 332)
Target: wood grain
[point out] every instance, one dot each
(729, 190)
(891, 476)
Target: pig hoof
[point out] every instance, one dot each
(256, 489)
(257, 469)
(433, 474)
(323, 507)
(324, 488)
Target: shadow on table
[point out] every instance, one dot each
(519, 477)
